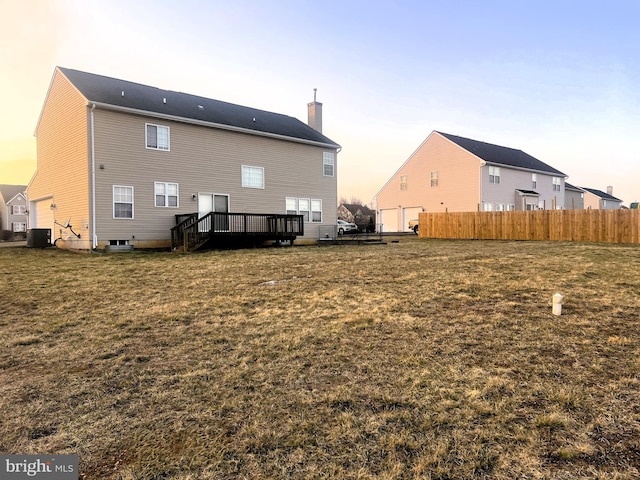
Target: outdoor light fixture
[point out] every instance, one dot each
(52, 206)
(193, 197)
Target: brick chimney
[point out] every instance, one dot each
(314, 110)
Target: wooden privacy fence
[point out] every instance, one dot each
(607, 226)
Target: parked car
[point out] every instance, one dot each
(413, 225)
(346, 227)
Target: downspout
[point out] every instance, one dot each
(93, 185)
(480, 201)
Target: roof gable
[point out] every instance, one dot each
(496, 154)
(134, 96)
(9, 192)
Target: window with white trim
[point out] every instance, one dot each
(19, 226)
(309, 208)
(435, 178)
(304, 208)
(166, 194)
(18, 210)
(494, 175)
(122, 201)
(557, 184)
(157, 137)
(292, 206)
(488, 207)
(252, 177)
(534, 180)
(316, 211)
(404, 182)
(328, 164)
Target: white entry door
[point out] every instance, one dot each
(213, 202)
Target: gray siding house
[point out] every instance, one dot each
(119, 162)
(457, 174)
(13, 208)
(573, 197)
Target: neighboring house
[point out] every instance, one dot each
(599, 200)
(361, 215)
(456, 174)
(119, 162)
(13, 208)
(573, 197)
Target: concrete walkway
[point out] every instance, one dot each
(22, 243)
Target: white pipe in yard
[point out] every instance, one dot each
(557, 304)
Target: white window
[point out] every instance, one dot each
(488, 207)
(19, 210)
(511, 207)
(309, 208)
(316, 211)
(500, 207)
(157, 137)
(122, 201)
(166, 194)
(557, 182)
(19, 227)
(494, 174)
(403, 182)
(328, 164)
(292, 206)
(435, 178)
(304, 208)
(534, 180)
(252, 177)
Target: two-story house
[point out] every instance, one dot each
(457, 174)
(598, 200)
(13, 208)
(120, 162)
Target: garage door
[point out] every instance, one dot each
(389, 220)
(41, 215)
(409, 213)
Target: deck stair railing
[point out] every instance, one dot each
(193, 232)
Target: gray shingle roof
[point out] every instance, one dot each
(107, 90)
(496, 154)
(601, 194)
(10, 191)
(573, 188)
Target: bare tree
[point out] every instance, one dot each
(352, 201)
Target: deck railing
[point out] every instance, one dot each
(192, 232)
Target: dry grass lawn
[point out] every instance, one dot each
(417, 359)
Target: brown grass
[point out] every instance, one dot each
(417, 359)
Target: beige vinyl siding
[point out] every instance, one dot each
(63, 161)
(458, 187)
(201, 160)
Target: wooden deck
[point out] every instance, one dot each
(232, 230)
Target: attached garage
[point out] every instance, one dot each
(409, 213)
(389, 220)
(41, 214)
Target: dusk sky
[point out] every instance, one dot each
(559, 80)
